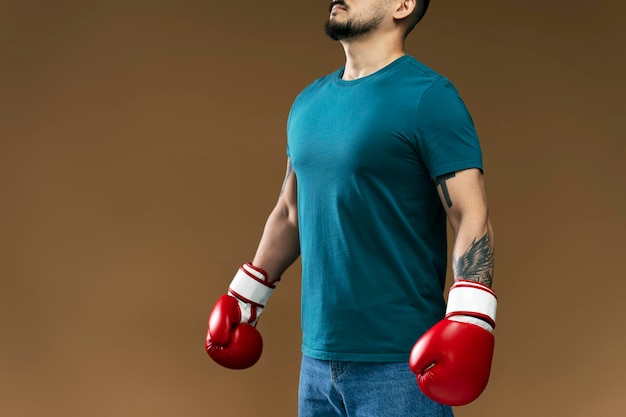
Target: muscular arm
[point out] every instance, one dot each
(464, 198)
(279, 246)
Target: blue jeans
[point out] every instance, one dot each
(362, 389)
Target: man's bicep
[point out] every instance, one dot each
(288, 191)
(288, 172)
(462, 193)
(441, 182)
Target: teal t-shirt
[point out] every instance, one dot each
(372, 227)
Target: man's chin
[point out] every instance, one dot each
(336, 30)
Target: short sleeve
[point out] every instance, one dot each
(447, 138)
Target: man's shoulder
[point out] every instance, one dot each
(318, 86)
(324, 80)
(417, 68)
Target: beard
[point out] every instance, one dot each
(339, 31)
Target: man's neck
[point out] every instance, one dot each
(368, 54)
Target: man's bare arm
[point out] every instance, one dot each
(465, 201)
(279, 246)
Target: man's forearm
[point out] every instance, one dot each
(473, 254)
(279, 246)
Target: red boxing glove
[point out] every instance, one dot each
(232, 339)
(452, 360)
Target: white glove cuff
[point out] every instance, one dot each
(251, 285)
(473, 300)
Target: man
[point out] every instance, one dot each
(380, 153)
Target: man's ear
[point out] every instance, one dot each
(405, 9)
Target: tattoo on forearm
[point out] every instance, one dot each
(441, 182)
(289, 169)
(476, 264)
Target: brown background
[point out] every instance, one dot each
(142, 146)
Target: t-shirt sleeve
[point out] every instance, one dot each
(447, 138)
